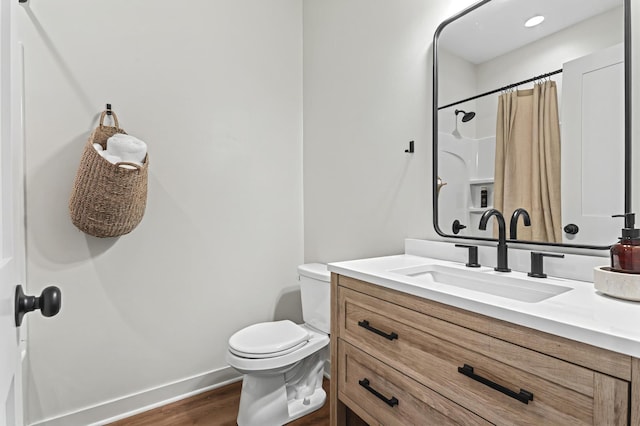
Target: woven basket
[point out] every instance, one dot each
(107, 200)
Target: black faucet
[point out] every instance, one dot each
(503, 264)
(513, 225)
(473, 255)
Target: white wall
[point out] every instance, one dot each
(457, 81)
(215, 88)
(367, 92)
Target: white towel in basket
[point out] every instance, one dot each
(127, 147)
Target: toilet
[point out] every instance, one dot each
(283, 362)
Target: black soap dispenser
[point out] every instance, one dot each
(625, 255)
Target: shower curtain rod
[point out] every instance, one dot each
(510, 86)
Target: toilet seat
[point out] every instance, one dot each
(247, 365)
(267, 355)
(268, 339)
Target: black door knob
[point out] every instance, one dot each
(571, 228)
(49, 303)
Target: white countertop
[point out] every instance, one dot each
(581, 314)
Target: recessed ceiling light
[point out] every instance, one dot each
(532, 22)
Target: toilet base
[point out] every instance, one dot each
(282, 398)
(271, 407)
(302, 407)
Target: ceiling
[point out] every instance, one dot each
(498, 27)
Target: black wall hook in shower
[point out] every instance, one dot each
(109, 112)
(410, 150)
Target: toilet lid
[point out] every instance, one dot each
(268, 339)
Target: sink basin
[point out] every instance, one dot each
(529, 290)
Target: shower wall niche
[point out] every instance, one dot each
(467, 166)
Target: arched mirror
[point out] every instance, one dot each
(533, 116)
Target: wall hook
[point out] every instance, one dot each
(109, 112)
(410, 150)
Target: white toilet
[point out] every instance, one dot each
(283, 362)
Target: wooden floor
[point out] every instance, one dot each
(218, 407)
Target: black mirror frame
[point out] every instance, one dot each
(628, 160)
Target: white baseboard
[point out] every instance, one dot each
(110, 411)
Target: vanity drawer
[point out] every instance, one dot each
(437, 354)
(385, 396)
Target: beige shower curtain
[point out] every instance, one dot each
(527, 165)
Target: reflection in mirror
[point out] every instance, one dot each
(532, 118)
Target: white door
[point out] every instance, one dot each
(593, 146)
(12, 255)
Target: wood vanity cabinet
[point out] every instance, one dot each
(397, 359)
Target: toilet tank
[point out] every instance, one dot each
(315, 290)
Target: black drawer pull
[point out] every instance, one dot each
(524, 396)
(365, 324)
(390, 402)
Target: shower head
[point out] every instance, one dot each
(468, 116)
